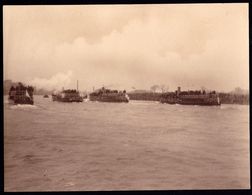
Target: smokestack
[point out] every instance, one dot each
(179, 89)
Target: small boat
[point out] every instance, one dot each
(21, 94)
(107, 95)
(46, 96)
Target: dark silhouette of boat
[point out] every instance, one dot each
(68, 95)
(21, 94)
(108, 95)
(46, 96)
(191, 98)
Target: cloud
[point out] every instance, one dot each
(186, 45)
(189, 55)
(56, 82)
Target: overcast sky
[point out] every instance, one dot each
(187, 45)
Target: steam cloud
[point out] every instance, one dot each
(56, 82)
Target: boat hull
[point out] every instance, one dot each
(21, 101)
(104, 98)
(61, 99)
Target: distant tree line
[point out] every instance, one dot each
(146, 96)
(231, 98)
(7, 86)
(9, 83)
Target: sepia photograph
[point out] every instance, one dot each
(126, 97)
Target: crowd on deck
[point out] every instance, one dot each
(106, 91)
(21, 89)
(197, 92)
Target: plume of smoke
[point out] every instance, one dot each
(56, 82)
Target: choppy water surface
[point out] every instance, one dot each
(119, 146)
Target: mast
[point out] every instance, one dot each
(77, 85)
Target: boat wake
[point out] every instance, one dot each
(86, 100)
(230, 107)
(23, 106)
(140, 102)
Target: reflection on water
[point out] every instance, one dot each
(118, 146)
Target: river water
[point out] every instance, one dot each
(53, 146)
